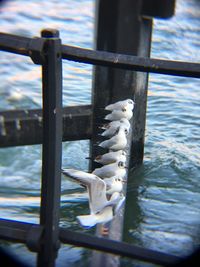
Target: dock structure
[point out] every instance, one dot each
(121, 62)
(128, 31)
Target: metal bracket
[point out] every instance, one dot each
(36, 48)
(34, 235)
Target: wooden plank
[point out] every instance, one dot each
(24, 127)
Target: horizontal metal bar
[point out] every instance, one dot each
(14, 231)
(24, 127)
(177, 68)
(115, 247)
(26, 46)
(14, 44)
(18, 232)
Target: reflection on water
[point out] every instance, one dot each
(163, 211)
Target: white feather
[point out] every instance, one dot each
(111, 157)
(128, 103)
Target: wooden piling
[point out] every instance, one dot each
(120, 28)
(125, 27)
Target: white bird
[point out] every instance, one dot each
(117, 169)
(107, 213)
(117, 142)
(113, 184)
(102, 210)
(111, 157)
(112, 127)
(128, 103)
(119, 114)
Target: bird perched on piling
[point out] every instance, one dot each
(118, 114)
(117, 142)
(117, 169)
(120, 109)
(111, 157)
(128, 103)
(111, 127)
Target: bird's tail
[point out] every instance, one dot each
(87, 221)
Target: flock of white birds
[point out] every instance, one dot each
(105, 184)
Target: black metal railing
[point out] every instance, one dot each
(48, 52)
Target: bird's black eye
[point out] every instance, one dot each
(126, 131)
(130, 101)
(123, 109)
(117, 131)
(120, 164)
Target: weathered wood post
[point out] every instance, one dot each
(52, 145)
(122, 28)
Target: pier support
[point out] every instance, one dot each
(124, 27)
(51, 149)
(120, 28)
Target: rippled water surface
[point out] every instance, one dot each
(164, 213)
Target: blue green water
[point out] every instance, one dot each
(165, 193)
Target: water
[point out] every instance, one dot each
(165, 194)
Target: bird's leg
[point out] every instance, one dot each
(104, 230)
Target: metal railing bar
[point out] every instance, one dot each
(25, 46)
(24, 127)
(116, 247)
(14, 44)
(19, 231)
(135, 63)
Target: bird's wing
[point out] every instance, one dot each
(87, 221)
(79, 176)
(109, 107)
(108, 143)
(97, 194)
(105, 215)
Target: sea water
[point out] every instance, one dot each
(164, 195)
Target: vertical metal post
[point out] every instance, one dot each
(52, 148)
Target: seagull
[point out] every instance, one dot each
(113, 184)
(128, 103)
(111, 157)
(112, 127)
(117, 142)
(106, 214)
(102, 210)
(117, 169)
(119, 114)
